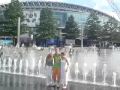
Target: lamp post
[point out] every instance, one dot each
(60, 34)
(82, 34)
(18, 33)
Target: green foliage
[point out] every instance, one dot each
(12, 12)
(71, 29)
(47, 27)
(25, 29)
(115, 37)
(6, 29)
(92, 27)
(110, 31)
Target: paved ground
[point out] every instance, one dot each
(16, 82)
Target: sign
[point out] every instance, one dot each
(6, 42)
(70, 41)
(51, 42)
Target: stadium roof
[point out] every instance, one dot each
(57, 5)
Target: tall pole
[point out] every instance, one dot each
(60, 36)
(81, 36)
(18, 33)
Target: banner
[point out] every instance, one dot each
(70, 41)
(6, 42)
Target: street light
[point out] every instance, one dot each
(81, 36)
(60, 33)
(82, 33)
(18, 33)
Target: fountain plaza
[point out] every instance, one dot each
(90, 68)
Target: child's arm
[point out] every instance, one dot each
(67, 63)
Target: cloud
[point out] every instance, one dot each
(44, 0)
(114, 15)
(99, 4)
(4, 1)
(104, 6)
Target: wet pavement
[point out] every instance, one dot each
(20, 82)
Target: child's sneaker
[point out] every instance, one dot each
(52, 83)
(48, 84)
(64, 86)
(57, 84)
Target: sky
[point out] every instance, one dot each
(101, 5)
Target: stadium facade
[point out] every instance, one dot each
(61, 11)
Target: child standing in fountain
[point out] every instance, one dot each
(49, 64)
(64, 69)
(56, 66)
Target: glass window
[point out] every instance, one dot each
(33, 20)
(35, 14)
(60, 18)
(27, 20)
(30, 15)
(79, 16)
(36, 3)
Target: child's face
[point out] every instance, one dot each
(62, 54)
(56, 50)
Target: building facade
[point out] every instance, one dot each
(61, 11)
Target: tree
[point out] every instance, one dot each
(116, 37)
(110, 31)
(12, 12)
(25, 29)
(113, 30)
(92, 27)
(46, 28)
(3, 27)
(71, 28)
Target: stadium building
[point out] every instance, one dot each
(61, 12)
